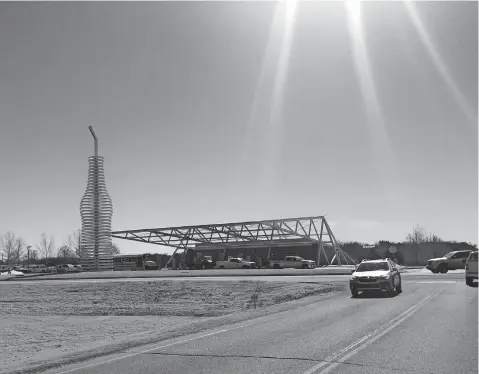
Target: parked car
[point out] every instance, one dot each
(376, 275)
(151, 265)
(451, 261)
(39, 269)
(205, 263)
(78, 268)
(65, 268)
(21, 269)
(471, 269)
(293, 262)
(235, 263)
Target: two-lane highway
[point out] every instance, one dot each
(432, 327)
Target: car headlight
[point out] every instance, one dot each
(384, 276)
(353, 278)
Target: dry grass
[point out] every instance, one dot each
(166, 298)
(46, 321)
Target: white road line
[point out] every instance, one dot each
(149, 350)
(366, 340)
(438, 282)
(277, 316)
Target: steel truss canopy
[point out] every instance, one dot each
(223, 235)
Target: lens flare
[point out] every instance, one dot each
(264, 126)
(441, 67)
(383, 154)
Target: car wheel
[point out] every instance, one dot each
(391, 289)
(275, 266)
(442, 268)
(245, 267)
(399, 286)
(469, 281)
(222, 267)
(354, 292)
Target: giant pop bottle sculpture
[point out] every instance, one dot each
(96, 210)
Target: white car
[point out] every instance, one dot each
(235, 263)
(471, 268)
(13, 273)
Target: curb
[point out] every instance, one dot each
(183, 275)
(192, 275)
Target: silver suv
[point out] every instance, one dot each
(376, 275)
(451, 261)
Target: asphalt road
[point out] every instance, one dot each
(432, 327)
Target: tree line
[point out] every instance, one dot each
(417, 236)
(414, 243)
(14, 249)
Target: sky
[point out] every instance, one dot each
(214, 112)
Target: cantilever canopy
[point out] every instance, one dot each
(315, 229)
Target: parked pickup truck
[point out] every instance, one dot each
(294, 262)
(235, 263)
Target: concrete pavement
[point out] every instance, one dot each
(432, 327)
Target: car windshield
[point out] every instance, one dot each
(372, 266)
(449, 254)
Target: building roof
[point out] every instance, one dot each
(259, 243)
(223, 235)
(310, 228)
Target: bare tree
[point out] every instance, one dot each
(33, 254)
(46, 246)
(433, 238)
(114, 249)
(7, 246)
(74, 243)
(65, 252)
(417, 236)
(19, 250)
(27, 254)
